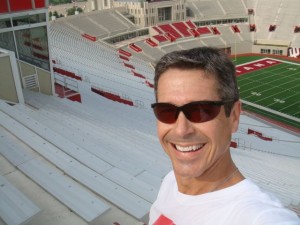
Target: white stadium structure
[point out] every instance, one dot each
(78, 138)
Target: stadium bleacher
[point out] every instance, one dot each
(90, 27)
(67, 125)
(93, 23)
(229, 36)
(94, 62)
(206, 9)
(19, 209)
(213, 40)
(238, 9)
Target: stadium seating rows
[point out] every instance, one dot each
(91, 131)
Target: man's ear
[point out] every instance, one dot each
(235, 115)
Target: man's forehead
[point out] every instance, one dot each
(187, 84)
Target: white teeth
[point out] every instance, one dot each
(188, 148)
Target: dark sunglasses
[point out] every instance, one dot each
(196, 112)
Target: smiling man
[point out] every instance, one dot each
(197, 109)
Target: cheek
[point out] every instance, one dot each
(222, 133)
(162, 130)
(163, 133)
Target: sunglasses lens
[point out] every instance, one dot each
(194, 112)
(165, 113)
(199, 113)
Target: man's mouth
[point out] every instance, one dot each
(191, 148)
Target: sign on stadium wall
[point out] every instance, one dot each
(294, 52)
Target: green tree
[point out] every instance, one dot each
(57, 2)
(72, 10)
(55, 13)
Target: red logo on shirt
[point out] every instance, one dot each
(162, 220)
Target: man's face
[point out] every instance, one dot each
(211, 139)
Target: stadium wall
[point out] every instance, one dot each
(42, 78)
(10, 85)
(275, 47)
(268, 49)
(24, 41)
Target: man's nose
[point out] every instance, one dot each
(183, 127)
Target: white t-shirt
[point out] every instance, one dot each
(240, 204)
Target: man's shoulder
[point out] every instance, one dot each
(262, 207)
(250, 194)
(265, 213)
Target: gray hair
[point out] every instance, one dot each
(214, 62)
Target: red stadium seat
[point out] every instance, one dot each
(203, 30)
(191, 24)
(235, 29)
(252, 27)
(150, 42)
(135, 47)
(160, 38)
(272, 28)
(215, 31)
(167, 28)
(182, 28)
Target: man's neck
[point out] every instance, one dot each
(222, 174)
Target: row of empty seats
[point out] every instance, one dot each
(205, 8)
(98, 64)
(225, 37)
(136, 161)
(15, 207)
(93, 23)
(65, 189)
(282, 14)
(85, 167)
(177, 30)
(213, 8)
